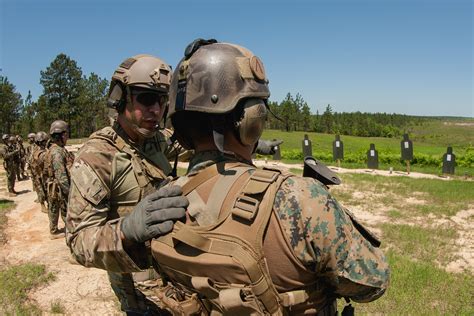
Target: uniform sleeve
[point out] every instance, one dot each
(59, 165)
(325, 238)
(93, 233)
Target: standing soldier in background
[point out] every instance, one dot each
(29, 152)
(255, 242)
(9, 154)
(58, 161)
(117, 167)
(21, 159)
(38, 170)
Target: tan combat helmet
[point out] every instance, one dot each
(31, 137)
(41, 137)
(143, 71)
(58, 127)
(5, 137)
(12, 139)
(215, 78)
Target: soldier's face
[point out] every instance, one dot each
(147, 109)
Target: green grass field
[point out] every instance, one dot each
(430, 141)
(419, 240)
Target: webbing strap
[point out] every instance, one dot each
(206, 174)
(218, 194)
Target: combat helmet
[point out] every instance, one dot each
(12, 139)
(5, 137)
(41, 137)
(141, 71)
(216, 78)
(31, 136)
(58, 127)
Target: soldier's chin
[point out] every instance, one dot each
(144, 132)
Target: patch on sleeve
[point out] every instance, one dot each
(88, 182)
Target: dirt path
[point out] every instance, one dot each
(81, 291)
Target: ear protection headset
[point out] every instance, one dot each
(116, 98)
(249, 127)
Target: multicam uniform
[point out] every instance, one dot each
(312, 251)
(20, 160)
(58, 161)
(9, 154)
(109, 177)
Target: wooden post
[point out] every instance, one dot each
(408, 166)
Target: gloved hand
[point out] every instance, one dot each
(155, 214)
(267, 147)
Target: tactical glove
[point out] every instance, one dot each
(267, 147)
(155, 214)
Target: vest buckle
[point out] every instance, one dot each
(245, 207)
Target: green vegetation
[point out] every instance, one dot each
(421, 288)
(57, 307)
(427, 154)
(15, 282)
(417, 250)
(437, 197)
(5, 207)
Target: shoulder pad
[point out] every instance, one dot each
(88, 182)
(106, 133)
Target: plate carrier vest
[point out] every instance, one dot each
(218, 267)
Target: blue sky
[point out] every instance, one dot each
(396, 56)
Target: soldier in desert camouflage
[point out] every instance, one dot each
(38, 171)
(255, 241)
(9, 154)
(118, 167)
(29, 149)
(57, 162)
(21, 158)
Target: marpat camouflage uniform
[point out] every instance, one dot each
(341, 257)
(9, 154)
(57, 162)
(110, 175)
(38, 172)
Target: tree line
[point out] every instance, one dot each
(293, 114)
(67, 94)
(80, 100)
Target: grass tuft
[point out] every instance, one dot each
(15, 282)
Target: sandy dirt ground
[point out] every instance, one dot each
(83, 291)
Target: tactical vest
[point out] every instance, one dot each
(218, 267)
(133, 174)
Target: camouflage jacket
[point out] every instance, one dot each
(325, 237)
(9, 154)
(106, 184)
(58, 162)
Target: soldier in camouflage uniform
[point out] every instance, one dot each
(9, 154)
(114, 170)
(38, 171)
(256, 241)
(29, 151)
(21, 158)
(57, 162)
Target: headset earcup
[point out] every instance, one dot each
(116, 97)
(250, 126)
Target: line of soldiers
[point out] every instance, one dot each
(48, 162)
(14, 156)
